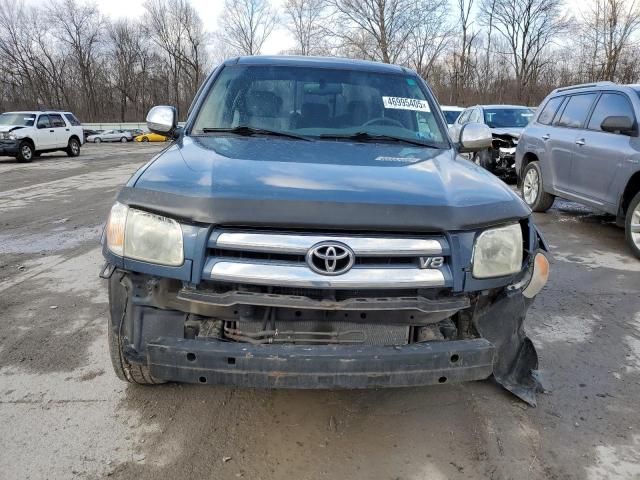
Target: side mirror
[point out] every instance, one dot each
(474, 137)
(622, 124)
(163, 120)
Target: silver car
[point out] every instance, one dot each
(506, 123)
(583, 145)
(111, 136)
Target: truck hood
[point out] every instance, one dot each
(10, 128)
(259, 181)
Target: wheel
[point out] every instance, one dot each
(97, 140)
(483, 159)
(25, 152)
(132, 373)
(125, 371)
(145, 139)
(73, 148)
(533, 189)
(123, 140)
(632, 225)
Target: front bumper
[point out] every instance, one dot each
(319, 366)
(9, 147)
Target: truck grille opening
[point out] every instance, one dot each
(316, 332)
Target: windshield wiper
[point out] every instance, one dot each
(369, 137)
(247, 131)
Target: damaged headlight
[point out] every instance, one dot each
(144, 236)
(498, 252)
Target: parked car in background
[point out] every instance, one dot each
(135, 132)
(506, 123)
(450, 113)
(111, 136)
(151, 137)
(88, 132)
(583, 145)
(26, 135)
(359, 252)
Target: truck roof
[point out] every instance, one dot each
(319, 62)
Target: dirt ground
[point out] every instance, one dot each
(63, 413)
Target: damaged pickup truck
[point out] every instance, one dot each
(313, 226)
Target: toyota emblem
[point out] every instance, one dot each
(330, 258)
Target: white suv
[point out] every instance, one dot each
(25, 135)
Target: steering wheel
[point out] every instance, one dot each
(383, 121)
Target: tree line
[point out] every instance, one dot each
(65, 54)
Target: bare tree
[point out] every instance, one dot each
(175, 27)
(19, 57)
(528, 28)
(306, 24)
(429, 36)
(462, 58)
(246, 24)
(388, 23)
(126, 47)
(488, 8)
(79, 28)
(607, 31)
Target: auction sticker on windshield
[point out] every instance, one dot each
(406, 104)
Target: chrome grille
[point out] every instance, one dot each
(277, 259)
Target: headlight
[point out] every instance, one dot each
(498, 252)
(144, 236)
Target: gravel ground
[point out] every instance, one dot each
(63, 414)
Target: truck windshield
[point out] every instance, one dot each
(22, 119)
(507, 117)
(320, 104)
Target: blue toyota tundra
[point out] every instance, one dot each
(313, 226)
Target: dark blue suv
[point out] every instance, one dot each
(312, 226)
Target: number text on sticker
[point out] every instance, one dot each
(401, 103)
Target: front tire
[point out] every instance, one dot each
(26, 152)
(484, 159)
(632, 225)
(123, 140)
(97, 140)
(145, 139)
(73, 148)
(533, 189)
(128, 372)
(125, 371)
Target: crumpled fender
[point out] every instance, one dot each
(500, 320)
(499, 317)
